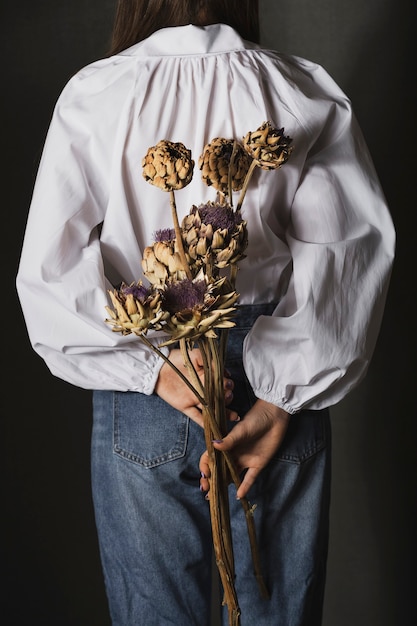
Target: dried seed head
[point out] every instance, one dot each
(184, 295)
(215, 164)
(214, 231)
(197, 308)
(268, 146)
(136, 309)
(168, 166)
(161, 261)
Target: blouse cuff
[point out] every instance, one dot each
(155, 363)
(277, 400)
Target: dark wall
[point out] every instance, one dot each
(52, 571)
(369, 48)
(51, 566)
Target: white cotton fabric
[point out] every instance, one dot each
(321, 239)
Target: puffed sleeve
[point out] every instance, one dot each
(317, 345)
(61, 281)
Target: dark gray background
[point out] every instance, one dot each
(52, 574)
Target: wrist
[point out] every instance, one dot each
(273, 410)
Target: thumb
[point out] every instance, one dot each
(228, 442)
(237, 435)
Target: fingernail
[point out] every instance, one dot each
(203, 475)
(217, 440)
(228, 395)
(229, 384)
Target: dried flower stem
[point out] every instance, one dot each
(222, 539)
(196, 383)
(248, 176)
(230, 175)
(218, 359)
(215, 424)
(233, 275)
(178, 235)
(225, 469)
(213, 431)
(218, 499)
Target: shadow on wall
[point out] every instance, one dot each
(383, 444)
(368, 49)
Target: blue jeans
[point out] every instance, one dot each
(153, 521)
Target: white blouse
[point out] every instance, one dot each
(321, 239)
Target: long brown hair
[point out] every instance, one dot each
(137, 19)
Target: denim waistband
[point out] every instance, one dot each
(247, 314)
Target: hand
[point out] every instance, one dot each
(173, 390)
(252, 443)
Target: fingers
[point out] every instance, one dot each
(228, 390)
(205, 472)
(252, 443)
(247, 482)
(232, 416)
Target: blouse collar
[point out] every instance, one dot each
(190, 40)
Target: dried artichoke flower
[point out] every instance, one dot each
(217, 165)
(269, 149)
(214, 233)
(162, 260)
(268, 146)
(197, 308)
(168, 165)
(136, 309)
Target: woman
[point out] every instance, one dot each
(312, 290)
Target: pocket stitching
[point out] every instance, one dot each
(177, 450)
(300, 459)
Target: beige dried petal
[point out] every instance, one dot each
(163, 251)
(192, 250)
(218, 239)
(175, 263)
(121, 313)
(160, 270)
(130, 305)
(191, 236)
(149, 170)
(206, 230)
(202, 247)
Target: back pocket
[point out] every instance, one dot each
(147, 430)
(306, 435)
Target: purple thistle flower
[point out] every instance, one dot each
(220, 216)
(164, 235)
(184, 294)
(139, 292)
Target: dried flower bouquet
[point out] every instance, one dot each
(191, 297)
